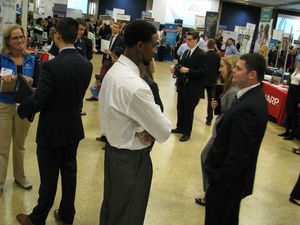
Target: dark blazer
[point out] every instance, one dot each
(119, 42)
(195, 79)
(213, 65)
(59, 97)
(231, 163)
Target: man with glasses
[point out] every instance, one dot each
(190, 74)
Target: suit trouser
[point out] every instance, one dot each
(222, 208)
(52, 161)
(209, 91)
(127, 182)
(106, 64)
(12, 128)
(296, 190)
(187, 101)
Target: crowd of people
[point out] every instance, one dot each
(131, 116)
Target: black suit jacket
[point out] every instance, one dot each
(231, 162)
(119, 42)
(213, 65)
(59, 97)
(194, 80)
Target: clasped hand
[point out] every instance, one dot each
(144, 137)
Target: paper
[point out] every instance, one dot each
(5, 72)
(104, 45)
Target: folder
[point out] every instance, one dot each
(23, 90)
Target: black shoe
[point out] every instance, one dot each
(296, 151)
(208, 123)
(284, 134)
(289, 137)
(200, 201)
(92, 98)
(294, 201)
(176, 131)
(101, 138)
(184, 138)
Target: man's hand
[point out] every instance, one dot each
(172, 69)
(28, 79)
(214, 104)
(184, 70)
(144, 137)
(107, 52)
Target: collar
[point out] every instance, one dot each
(192, 50)
(130, 64)
(244, 90)
(66, 48)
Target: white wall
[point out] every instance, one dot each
(165, 11)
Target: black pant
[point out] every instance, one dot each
(296, 190)
(209, 91)
(52, 161)
(222, 207)
(187, 101)
(161, 53)
(291, 122)
(127, 182)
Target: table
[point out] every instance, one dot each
(276, 96)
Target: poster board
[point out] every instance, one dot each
(7, 15)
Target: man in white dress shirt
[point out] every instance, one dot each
(131, 121)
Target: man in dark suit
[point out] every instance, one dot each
(190, 74)
(58, 97)
(231, 162)
(115, 40)
(213, 65)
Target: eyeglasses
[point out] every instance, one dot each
(22, 37)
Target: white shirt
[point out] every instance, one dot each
(295, 78)
(127, 105)
(202, 44)
(244, 90)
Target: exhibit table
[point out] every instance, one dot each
(276, 98)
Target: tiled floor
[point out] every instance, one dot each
(176, 179)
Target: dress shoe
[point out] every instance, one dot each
(101, 138)
(59, 219)
(294, 201)
(24, 219)
(176, 131)
(25, 184)
(92, 98)
(208, 123)
(284, 134)
(200, 201)
(296, 151)
(288, 138)
(184, 138)
(82, 113)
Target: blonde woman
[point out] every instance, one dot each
(226, 66)
(13, 61)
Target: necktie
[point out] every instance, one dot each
(187, 55)
(111, 41)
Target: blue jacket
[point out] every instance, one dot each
(28, 70)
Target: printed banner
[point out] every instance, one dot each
(210, 27)
(7, 15)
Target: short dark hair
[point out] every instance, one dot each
(195, 35)
(81, 22)
(138, 30)
(211, 43)
(118, 51)
(68, 29)
(256, 62)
